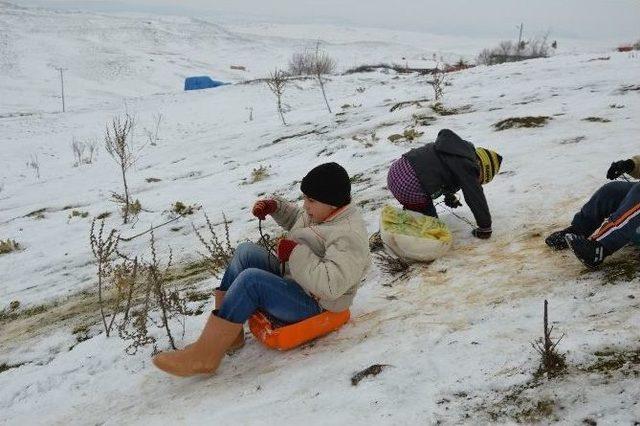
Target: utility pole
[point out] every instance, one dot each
(520, 37)
(62, 86)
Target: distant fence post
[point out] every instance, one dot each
(62, 86)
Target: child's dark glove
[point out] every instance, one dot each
(264, 207)
(482, 233)
(285, 247)
(620, 167)
(452, 201)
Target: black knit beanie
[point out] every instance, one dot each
(328, 183)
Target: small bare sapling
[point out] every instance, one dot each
(322, 64)
(552, 363)
(277, 82)
(118, 142)
(438, 81)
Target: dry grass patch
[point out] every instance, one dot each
(8, 246)
(517, 122)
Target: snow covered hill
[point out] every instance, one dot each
(456, 333)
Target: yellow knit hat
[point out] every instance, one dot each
(490, 162)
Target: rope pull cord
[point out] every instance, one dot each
(461, 218)
(265, 241)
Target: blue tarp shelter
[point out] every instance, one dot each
(201, 82)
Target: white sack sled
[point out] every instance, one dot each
(413, 235)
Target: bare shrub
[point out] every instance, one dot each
(308, 62)
(484, 57)
(152, 134)
(537, 47)
(83, 152)
(118, 142)
(219, 251)
(277, 82)
(509, 51)
(34, 164)
(156, 280)
(104, 250)
(150, 299)
(77, 148)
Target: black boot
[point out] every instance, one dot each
(590, 253)
(556, 240)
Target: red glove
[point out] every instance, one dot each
(264, 207)
(285, 247)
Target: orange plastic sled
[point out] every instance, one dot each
(290, 336)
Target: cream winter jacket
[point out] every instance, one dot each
(331, 257)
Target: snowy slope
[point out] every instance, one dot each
(456, 333)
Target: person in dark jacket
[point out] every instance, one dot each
(608, 221)
(441, 168)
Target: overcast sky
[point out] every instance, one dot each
(613, 19)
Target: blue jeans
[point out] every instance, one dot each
(253, 282)
(617, 203)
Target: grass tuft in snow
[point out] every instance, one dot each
(408, 135)
(78, 213)
(4, 367)
(612, 360)
(200, 268)
(128, 209)
(596, 120)
(183, 209)
(392, 265)
(516, 122)
(8, 246)
(621, 270)
(259, 174)
(12, 314)
(629, 88)
(37, 214)
(372, 370)
(375, 242)
(440, 109)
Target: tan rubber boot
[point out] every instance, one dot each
(203, 356)
(239, 342)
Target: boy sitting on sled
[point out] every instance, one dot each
(327, 252)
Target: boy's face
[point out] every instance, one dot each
(317, 210)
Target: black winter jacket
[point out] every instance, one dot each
(448, 165)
